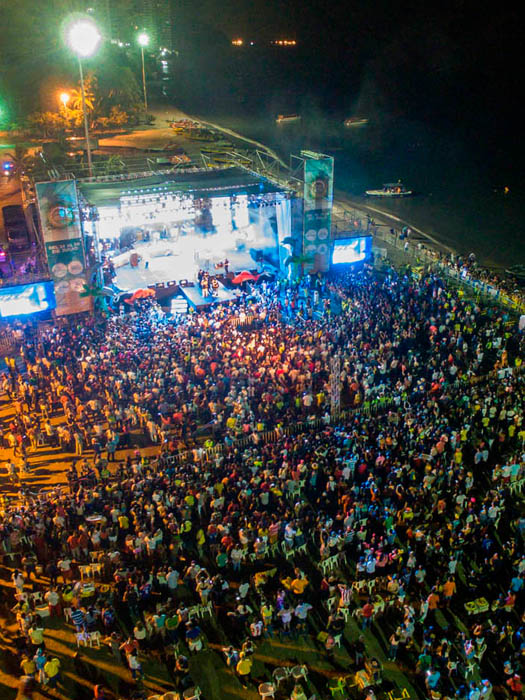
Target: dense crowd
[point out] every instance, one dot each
(404, 515)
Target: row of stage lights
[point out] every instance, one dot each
(170, 203)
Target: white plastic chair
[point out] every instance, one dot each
(82, 638)
(96, 569)
(94, 638)
(266, 690)
(85, 571)
(206, 610)
(280, 674)
(192, 693)
(194, 611)
(299, 672)
(346, 613)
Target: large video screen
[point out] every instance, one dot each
(349, 251)
(27, 299)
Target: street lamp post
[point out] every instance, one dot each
(83, 38)
(143, 40)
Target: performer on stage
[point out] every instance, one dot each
(205, 284)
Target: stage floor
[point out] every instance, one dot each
(166, 261)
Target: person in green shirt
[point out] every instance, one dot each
(172, 624)
(221, 559)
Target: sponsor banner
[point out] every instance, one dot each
(318, 180)
(59, 216)
(67, 267)
(318, 197)
(316, 240)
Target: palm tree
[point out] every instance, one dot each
(89, 93)
(95, 292)
(21, 159)
(301, 260)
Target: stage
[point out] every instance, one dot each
(170, 260)
(193, 296)
(159, 230)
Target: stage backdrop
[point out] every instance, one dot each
(318, 199)
(60, 221)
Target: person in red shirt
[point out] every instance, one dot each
(83, 543)
(516, 686)
(366, 614)
(72, 541)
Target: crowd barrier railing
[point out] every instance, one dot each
(371, 407)
(477, 286)
(208, 454)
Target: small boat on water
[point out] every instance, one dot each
(287, 118)
(396, 189)
(356, 121)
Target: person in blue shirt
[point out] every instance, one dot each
(432, 679)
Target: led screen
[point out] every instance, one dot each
(27, 299)
(352, 250)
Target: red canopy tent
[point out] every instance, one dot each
(244, 276)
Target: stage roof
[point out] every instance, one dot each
(212, 183)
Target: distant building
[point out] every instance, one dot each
(155, 17)
(120, 20)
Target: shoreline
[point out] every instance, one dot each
(343, 198)
(175, 113)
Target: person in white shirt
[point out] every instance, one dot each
(53, 601)
(172, 579)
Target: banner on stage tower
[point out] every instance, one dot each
(318, 200)
(62, 235)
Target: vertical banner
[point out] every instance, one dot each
(318, 199)
(60, 219)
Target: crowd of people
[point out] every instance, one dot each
(466, 268)
(402, 516)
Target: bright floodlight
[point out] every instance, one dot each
(83, 37)
(64, 98)
(143, 39)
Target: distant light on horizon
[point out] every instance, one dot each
(275, 42)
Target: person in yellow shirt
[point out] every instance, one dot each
(36, 635)
(52, 671)
(28, 666)
(299, 585)
(243, 668)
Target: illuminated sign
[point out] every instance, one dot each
(350, 251)
(27, 299)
